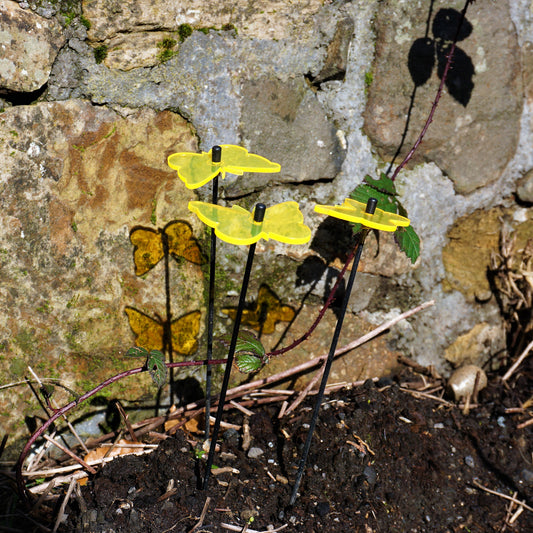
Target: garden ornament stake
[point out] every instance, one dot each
(282, 222)
(216, 157)
(370, 218)
(196, 170)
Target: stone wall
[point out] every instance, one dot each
(96, 94)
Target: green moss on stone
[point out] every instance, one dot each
(166, 46)
(184, 31)
(100, 53)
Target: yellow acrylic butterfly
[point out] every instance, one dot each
(149, 248)
(266, 312)
(150, 333)
(282, 222)
(196, 170)
(354, 211)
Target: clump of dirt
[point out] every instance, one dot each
(382, 460)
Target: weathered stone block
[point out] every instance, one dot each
(28, 48)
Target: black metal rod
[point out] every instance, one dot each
(210, 314)
(216, 157)
(370, 209)
(258, 217)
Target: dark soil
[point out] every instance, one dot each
(382, 460)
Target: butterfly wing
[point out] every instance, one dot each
(194, 170)
(148, 332)
(284, 222)
(237, 160)
(354, 211)
(148, 249)
(232, 224)
(181, 242)
(184, 332)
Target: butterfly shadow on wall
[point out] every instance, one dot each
(263, 314)
(157, 334)
(168, 335)
(175, 239)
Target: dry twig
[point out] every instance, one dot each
(518, 362)
(495, 493)
(202, 516)
(231, 527)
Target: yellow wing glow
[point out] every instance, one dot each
(196, 170)
(354, 211)
(282, 222)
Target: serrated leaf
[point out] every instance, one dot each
(249, 343)
(383, 184)
(247, 363)
(409, 242)
(363, 192)
(157, 368)
(137, 351)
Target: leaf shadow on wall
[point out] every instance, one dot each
(333, 240)
(426, 51)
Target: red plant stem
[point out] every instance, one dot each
(437, 97)
(82, 398)
(331, 296)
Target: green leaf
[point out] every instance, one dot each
(409, 242)
(247, 342)
(137, 351)
(383, 184)
(386, 202)
(248, 363)
(157, 367)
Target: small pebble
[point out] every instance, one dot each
(370, 475)
(469, 461)
(438, 425)
(527, 476)
(254, 452)
(501, 421)
(322, 509)
(463, 379)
